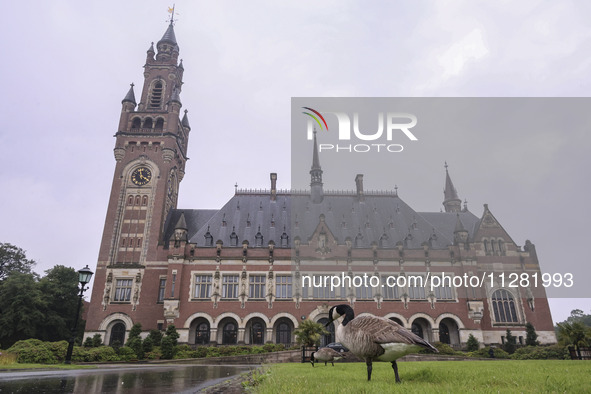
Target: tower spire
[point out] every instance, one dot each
(317, 194)
(451, 201)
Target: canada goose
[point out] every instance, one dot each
(374, 338)
(325, 354)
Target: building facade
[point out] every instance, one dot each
(251, 271)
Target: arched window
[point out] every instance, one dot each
(417, 330)
(501, 248)
(504, 307)
(492, 246)
(397, 320)
(159, 124)
(485, 246)
(148, 123)
(137, 200)
(257, 333)
(145, 200)
(156, 96)
(130, 200)
(230, 334)
(136, 123)
(443, 333)
(202, 334)
(283, 333)
(117, 334)
(327, 338)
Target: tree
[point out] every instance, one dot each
(13, 259)
(167, 348)
(510, 342)
(22, 308)
(578, 315)
(531, 338)
(135, 332)
(472, 343)
(59, 287)
(309, 333)
(576, 334)
(156, 336)
(172, 334)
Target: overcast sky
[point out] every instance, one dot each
(68, 64)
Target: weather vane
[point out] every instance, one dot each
(172, 14)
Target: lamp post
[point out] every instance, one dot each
(84, 276)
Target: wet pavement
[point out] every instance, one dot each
(144, 379)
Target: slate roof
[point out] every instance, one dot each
(382, 218)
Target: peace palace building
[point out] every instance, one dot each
(234, 275)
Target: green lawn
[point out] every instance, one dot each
(530, 376)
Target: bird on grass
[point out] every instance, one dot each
(325, 354)
(375, 338)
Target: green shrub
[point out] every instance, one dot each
(59, 349)
(87, 342)
(126, 353)
(531, 338)
(155, 354)
(135, 332)
(156, 336)
(556, 352)
(97, 340)
(510, 342)
(172, 334)
(116, 345)
(484, 353)
(168, 348)
(200, 352)
(35, 351)
(147, 345)
(101, 354)
(136, 344)
(183, 351)
(472, 344)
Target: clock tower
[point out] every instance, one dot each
(150, 153)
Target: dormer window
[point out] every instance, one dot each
(284, 240)
(208, 238)
(258, 239)
(233, 238)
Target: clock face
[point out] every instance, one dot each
(141, 176)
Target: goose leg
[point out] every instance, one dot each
(369, 368)
(395, 368)
(332, 362)
(325, 363)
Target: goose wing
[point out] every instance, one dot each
(384, 331)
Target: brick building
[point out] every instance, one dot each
(235, 275)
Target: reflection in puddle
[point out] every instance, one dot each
(161, 379)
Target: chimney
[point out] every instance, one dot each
(359, 184)
(273, 186)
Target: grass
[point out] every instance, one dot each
(527, 376)
(8, 362)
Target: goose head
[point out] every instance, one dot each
(340, 312)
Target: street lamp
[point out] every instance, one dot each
(84, 276)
